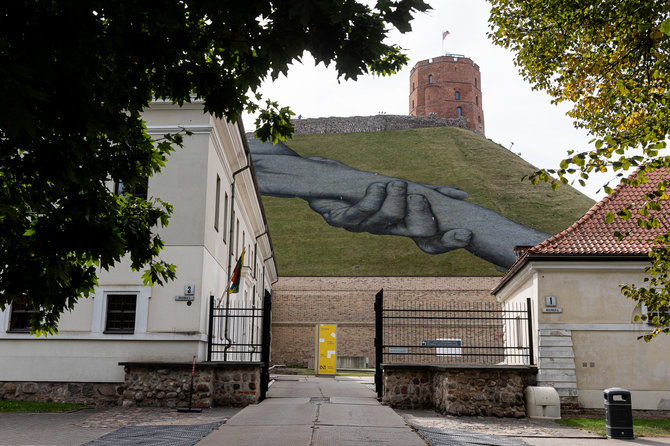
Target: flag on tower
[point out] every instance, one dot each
(237, 274)
(445, 34)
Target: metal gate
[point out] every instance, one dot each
(241, 334)
(431, 333)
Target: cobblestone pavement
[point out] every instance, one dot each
(76, 428)
(510, 427)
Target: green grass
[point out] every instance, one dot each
(33, 406)
(641, 428)
(306, 245)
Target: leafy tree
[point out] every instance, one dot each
(609, 59)
(75, 79)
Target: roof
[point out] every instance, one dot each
(591, 237)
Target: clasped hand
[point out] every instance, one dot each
(387, 209)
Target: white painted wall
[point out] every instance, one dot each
(165, 329)
(607, 351)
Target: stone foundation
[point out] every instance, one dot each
(214, 384)
(152, 385)
(95, 394)
(459, 390)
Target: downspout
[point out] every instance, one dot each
(253, 306)
(230, 252)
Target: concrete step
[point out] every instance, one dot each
(554, 341)
(556, 363)
(556, 352)
(554, 332)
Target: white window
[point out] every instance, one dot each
(121, 309)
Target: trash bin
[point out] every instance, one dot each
(618, 413)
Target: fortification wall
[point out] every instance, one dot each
(376, 123)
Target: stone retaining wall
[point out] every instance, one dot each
(459, 390)
(95, 394)
(152, 385)
(214, 384)
(375, 123)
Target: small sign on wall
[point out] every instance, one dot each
(552, 310)
(184, 298)
(189, 290)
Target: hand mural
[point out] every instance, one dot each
(436, 217)
(387, 209)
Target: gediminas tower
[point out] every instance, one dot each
(447, 87)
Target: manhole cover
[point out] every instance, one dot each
(319, 399)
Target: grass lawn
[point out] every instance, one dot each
(306, 245)
(641, 428)
(32, 406)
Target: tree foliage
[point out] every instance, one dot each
(610, 60)
(76, 77)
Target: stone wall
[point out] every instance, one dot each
(300, 303)
(214, 384)
(375, 123)
(153, 385)
(94, 394)
(459, 390)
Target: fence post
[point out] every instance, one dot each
(211, 328)
(529, 312)
(266, 337)
(379, 342)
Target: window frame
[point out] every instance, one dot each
(108, 311)
(12, 312)
(99, 321)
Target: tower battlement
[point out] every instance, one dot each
(447, 87)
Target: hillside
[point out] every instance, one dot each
(306, 245)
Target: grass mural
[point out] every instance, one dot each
(305, 245)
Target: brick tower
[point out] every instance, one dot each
(447, 87)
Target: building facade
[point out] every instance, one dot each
(217, 214)
(447, 87)
(587, 337)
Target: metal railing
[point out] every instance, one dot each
(235, 333)
(473, 333)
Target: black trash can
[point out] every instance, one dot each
(618, 413)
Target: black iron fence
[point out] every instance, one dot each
(240, 334)
(476, 333)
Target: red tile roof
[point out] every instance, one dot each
(592, 237)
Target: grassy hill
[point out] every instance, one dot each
(306, 245)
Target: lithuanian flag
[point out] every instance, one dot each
(235, 280)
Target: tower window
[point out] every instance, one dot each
(412, 86)
(458, 95)
(477, 100)
(459, 112)
(430, 78)
(475, 82)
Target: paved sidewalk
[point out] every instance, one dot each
(468, 431)
(316, 411)
(82, 426)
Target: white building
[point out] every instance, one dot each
(217, 214)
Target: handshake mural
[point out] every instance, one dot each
(436, 217)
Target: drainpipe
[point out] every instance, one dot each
(230, 252)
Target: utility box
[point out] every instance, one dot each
(618, 413)
(542, 402)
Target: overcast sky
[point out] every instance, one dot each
(513, 112)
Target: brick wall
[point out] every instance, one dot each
(450, 75)
(300, 303)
